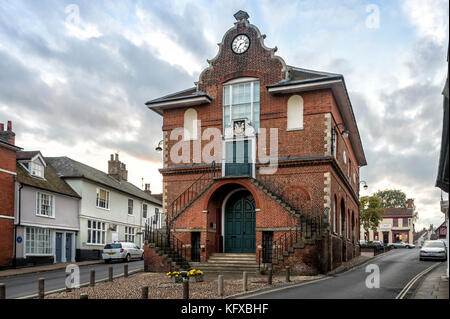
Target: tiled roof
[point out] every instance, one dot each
(51, 181)
(26, 155)
(69, 168)
(400, 212)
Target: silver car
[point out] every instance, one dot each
(433, 249)
(122, 251)
(400, 244)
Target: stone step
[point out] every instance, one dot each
(253, 255)
(231, 261)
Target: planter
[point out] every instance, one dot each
(196, 278)
(178, 279)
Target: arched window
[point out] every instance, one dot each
(295, 113)
(342, 214)
(335, 219)
(190, 124)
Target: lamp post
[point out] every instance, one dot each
(365, 184)
(159, 147)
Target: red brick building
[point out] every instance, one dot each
(7, 177)
(284, 188)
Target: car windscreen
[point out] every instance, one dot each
(113, 246)
(434, 244)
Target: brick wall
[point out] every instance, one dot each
(7, 162)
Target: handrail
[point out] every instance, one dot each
(294, 200)
(189, 194)
(153, 234)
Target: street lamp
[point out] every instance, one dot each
(365, 184)
(159, 147)
(345, 133)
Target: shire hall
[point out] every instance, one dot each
(263, 170)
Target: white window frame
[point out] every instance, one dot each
(107, 200)
(39, 213)
(240, 81)
(144, 210)
(37, 169)
(99, 230)
(37, 249)
(130, 234)
(128, 207)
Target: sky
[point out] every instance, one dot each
(74, 76)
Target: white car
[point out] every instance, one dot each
(433, 249)
(400, 244)
(122, 251)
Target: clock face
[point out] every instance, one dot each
(240, 43)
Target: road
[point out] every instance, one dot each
(27, 285)
(397, 269)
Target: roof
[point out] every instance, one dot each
(398, 212)
(8, 145)
(69, 168)
(27, 155)
(182, 98)
(51, 181)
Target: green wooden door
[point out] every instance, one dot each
(240, 223)
(238, 158)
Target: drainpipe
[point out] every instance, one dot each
(15, 227)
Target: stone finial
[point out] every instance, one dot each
(241, 15)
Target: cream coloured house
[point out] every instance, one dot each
(397, 225)
(111, 208)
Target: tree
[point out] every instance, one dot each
(371, 212)
(392, 198)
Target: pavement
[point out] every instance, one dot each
(393, 275)
(44, 268)
(434, 285)
(26, 285)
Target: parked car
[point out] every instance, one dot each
(122, 251)
(378, 243)
(400, 244)
(433, 249)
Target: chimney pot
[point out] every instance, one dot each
(410, 203)
(117, 157)
(2, 127)
(9, 126)
(112, 157)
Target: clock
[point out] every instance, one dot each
(240, 43)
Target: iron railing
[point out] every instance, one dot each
(155, 234)
(278, 188)
(308, 228)
(185, 198)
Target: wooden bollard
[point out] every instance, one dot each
(41, 285)
(84, 296)
(220, 285)
(244, 281)
(185, 288)
(125, 270)
(288, 273)
(144, 293)
(92, 281)
(110, 272)
(269, 279)
(2, 291)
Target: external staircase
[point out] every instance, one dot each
(228, 263)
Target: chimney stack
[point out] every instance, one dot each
(8, 136)
(117, 169)
(410, 203)
(147, 188)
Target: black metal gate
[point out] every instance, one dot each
(195, 248)
(267, 247)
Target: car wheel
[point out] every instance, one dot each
(142, 256)
(107, 261)
(127, 258)
(421, 259)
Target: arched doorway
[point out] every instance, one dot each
(239, 225)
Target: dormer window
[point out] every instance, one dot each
(37, 169)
